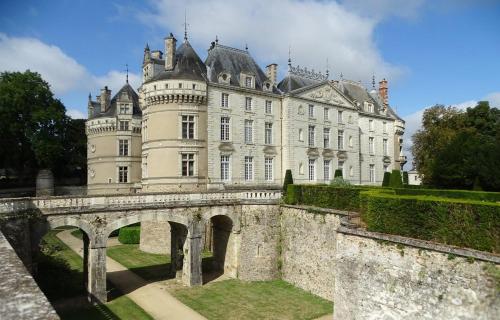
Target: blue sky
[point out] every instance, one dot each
(441, 51)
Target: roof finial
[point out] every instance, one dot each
(185, 26)
(216, 39)
(289, 57)
(341, 76)
(126, 66)
(327, 71)
(90, 96)
(373, 81)
(246, 46)
(147, 47)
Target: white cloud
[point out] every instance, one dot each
(413, 122)
(76, 114)
(315, 30)
(115, 80)
(381, 9)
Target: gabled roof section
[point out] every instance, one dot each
(324, 92)
(298, 78)
(188, 66)
(126, 92)
(232, 61)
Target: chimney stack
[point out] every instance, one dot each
(383, 91)
(272, 72)
(105, 99)
(170, 45)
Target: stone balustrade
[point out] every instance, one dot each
(12, 205)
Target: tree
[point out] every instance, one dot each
(288, 180)
(32, 123)
(387, 179)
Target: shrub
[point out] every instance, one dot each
(464, 223)
(341, 198)
(454, 194)
(405, 178)
(130, 235)
(338, 173)
(387, 179)
(340, 182)
(288, 180)
(395, 181)
(293, 194)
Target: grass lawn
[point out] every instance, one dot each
(235, 299)
(60, 275)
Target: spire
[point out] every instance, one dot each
(185, 26)
(147, 47)
(373, 81)
(126, 66)
(90, 97)
(341, 76)
(289, 57)
(327, 71)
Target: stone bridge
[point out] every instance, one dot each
(242, 214)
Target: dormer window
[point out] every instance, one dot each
(267, 86)
(369, 107)
(224, 78)
(248, 82)
(124, 108)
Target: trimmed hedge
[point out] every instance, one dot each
(405, 178)
(288, 180)
(130, 235)
(463, 223)
(387, 179)
(338, 173)
(454, 194)
(324, 196)
(395, 180)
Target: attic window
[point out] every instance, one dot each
(224, 76)
(248, 82)
(268, 85)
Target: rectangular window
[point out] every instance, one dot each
(180, 85)
(123, 147)
(372, 173)
(224, 102)
(371, 146)
(326, 138)
(385, 127)
(166, 85)
(340, 166)
(311, 136)
(248, 168)
(123, 125)
(187, 164)
(224, 128)
(268, 169)
(194, 86)
(340, 117)
(386, 150)
(268, 134)
(248, 104)
(122, 174)
(124, 108)
(340, 140)
(326, 114)
(269, 106)
(187, 127)
(326, 169)
(311, 111)
(248, 131)
(370, 124)
(224, 168)
(312, 169)
(248, 82)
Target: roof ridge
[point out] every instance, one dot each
(231, 48)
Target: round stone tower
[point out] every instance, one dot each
(173, 99)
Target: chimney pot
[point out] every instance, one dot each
(170, 46)
(272, 72)
(383, 92)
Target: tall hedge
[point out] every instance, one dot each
(324, 196)
(130, 235)
(454, 194)
(387, 179)
(395, 181)
(288, 180)
(463, 223)
(338, 173)
(405, 178)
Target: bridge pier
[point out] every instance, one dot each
(96, 280)
(192, 273)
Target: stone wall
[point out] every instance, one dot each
(155, 237)
(308, 242)
(20, 297)
(388, 277)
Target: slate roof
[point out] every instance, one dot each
(188, 66)
(293, 82)
(112, 111)
(233, 61)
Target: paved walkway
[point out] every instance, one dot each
(152, 297)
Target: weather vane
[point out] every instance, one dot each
(185, 25)
(126, 69)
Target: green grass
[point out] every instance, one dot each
(61, 276)
(235, 299)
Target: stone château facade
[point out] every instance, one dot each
(225, 123)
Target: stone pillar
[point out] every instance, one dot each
(191, 273)
(96, 285)
(155, 237)
(178, 237)
(85, 260)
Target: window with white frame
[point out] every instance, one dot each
(326, 169)
(340, 140)
(224, 128)
(187, 127)
(340, 166)
(187, 160)
(311, 136)
(122, 148)
(326, 138)
(370, 125)
(311, 111)
(123, 125)
(268, 169)
(248, 103)
(224, 102)
(248, 168)
(372, 172)
(248, 131)
(371, 145)
(268, 134)
(248, 82)
(269, 106)
(384, 127)
(312, 169)
(224, 167)
(124, 108)
(122, 174)
(340, 116)
(385, 146)
(326, 113)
